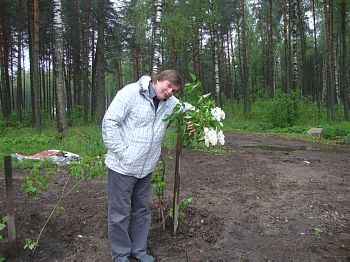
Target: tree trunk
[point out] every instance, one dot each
(216, 67)
(195, 53)
(286, 47)
(76, 54)
(68, 80)
(19, 96)
(234, 63)
(34, 61)
(244, 61)
(294, 20)
(270, 63)
(176, 195)
(328, 15)
(343, 60)
(229, 87)
(316, 64)
(157, 38)
(94, 58)
(302, 66)
(100, 63)
(58, 68)
(85, 60)
(5, 90)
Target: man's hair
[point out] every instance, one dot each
(170, 75)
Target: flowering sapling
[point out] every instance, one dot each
(203, 114)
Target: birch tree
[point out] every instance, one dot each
(58, 68)
(294, 36)
(157, 38)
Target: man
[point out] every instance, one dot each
(133, 129)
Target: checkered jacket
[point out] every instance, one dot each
(133, 132)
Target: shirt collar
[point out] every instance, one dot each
(151, 91)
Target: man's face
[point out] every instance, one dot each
(165, 89)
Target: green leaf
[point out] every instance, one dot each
(30, 244)
(193, 77)
(5, 220)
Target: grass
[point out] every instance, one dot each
(266, 116)
(82, 140)
(270, 117)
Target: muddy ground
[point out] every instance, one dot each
(268, 199)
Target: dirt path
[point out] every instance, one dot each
(270, 199)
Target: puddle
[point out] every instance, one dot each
(299, 148)
(276, 148)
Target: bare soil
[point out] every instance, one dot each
(266, 199)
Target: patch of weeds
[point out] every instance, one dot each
(36, 180)
(2, 257)
(221, 151)
(60, 209)
(184, 203)
(30, 244)
(318, 230)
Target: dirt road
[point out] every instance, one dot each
(268, 199)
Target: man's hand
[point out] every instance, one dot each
(190, 127)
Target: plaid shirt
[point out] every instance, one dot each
(133, 132)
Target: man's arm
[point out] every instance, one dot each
(112, 121)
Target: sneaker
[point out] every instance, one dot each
(145, 258)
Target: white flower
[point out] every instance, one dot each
(218, 114)
(221, 137)
(211, 137)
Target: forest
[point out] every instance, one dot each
(277, 67)
(65, 58)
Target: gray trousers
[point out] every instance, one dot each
(128, 234)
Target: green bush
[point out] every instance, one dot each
(335, 132)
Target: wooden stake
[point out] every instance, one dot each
(10, 208)
(177, 184)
